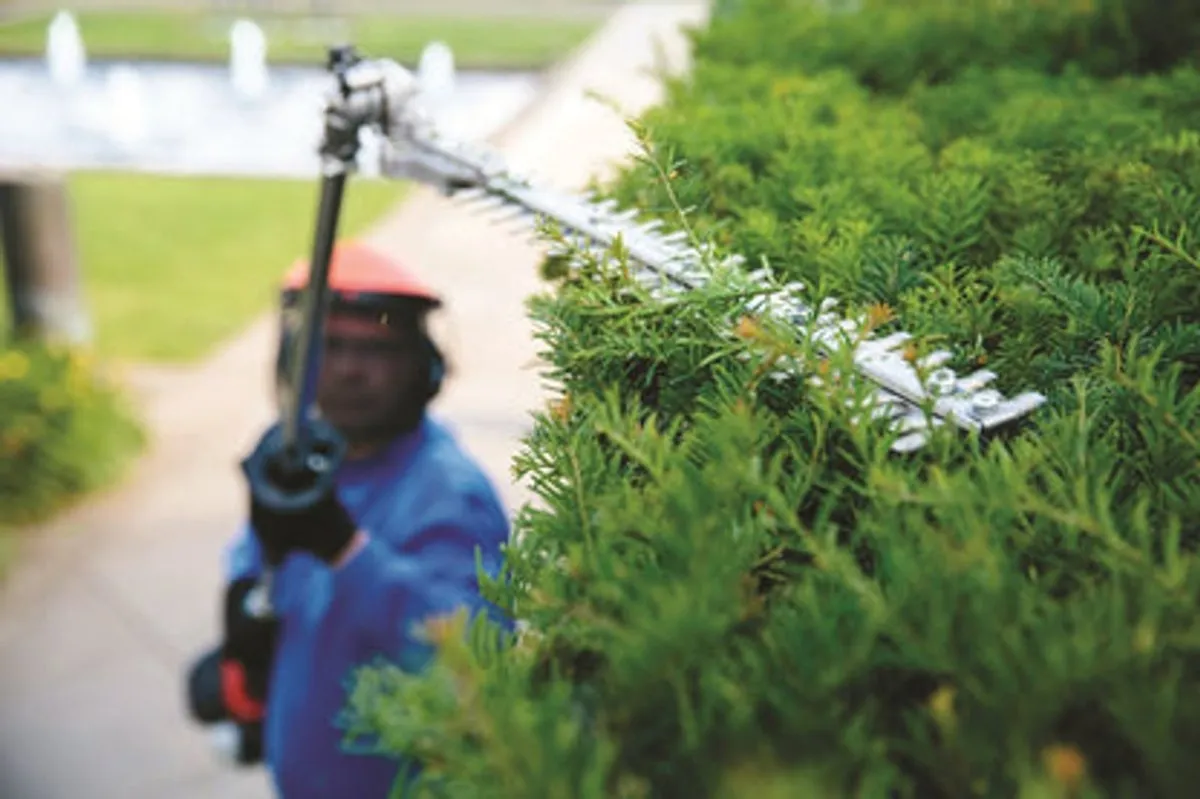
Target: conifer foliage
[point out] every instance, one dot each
(729, 587)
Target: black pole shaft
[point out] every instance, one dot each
(306, 361)
(299, 396)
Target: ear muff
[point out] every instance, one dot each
(437, 366)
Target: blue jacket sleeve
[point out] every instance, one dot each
(387, 588)
(243, 556)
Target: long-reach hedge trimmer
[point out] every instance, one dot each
(382, 95)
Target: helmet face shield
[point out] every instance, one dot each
(371, 332)
(376, 311)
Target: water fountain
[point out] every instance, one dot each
(435, 71)
(248, 58)
(71, 112)
(125, 114)
(66, 57)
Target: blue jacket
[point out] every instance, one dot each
(427, 507)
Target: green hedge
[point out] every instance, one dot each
(890, 44)
(64, 429)
(730, 587)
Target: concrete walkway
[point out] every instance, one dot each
(111, 600)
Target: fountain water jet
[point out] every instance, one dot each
(66, 57)
(181, 118)
(435, 71)
(248, 58)
(125, 111)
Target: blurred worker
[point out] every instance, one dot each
(393, 545)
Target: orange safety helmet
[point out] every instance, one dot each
(361, 277)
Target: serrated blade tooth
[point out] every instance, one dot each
(935, 359)
(910, 442)
(914, 421)
(826, 320)
(976, 380)
(892, 341)
(648, 279)
(1009, 410)
(486, 203)
(473, 194)
(507, 212)
(889, 406)
(839, 334)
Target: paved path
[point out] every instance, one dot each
(111, 600)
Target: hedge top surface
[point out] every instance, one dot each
(730, 587)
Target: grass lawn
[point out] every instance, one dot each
(478, 42)
(174, 265)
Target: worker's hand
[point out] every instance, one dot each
(296, 508)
